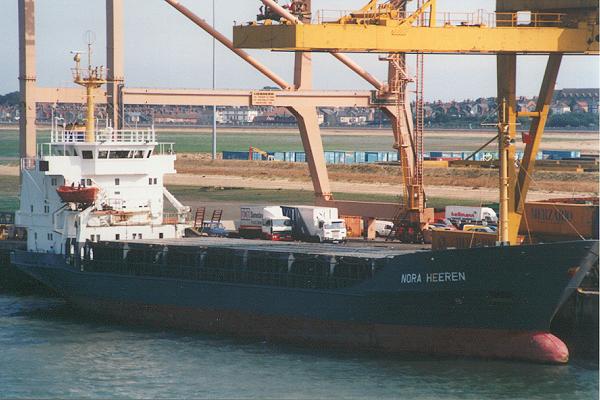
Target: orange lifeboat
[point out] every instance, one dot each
(72, 194)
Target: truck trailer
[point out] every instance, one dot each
(461, 215)
(316, 224)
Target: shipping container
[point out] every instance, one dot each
(354, 225)
(350, 157)
(560, 221)
(360, 157)
(559, 154)
(371, 156)
(235, 155)
(279, 156)
(290, 156)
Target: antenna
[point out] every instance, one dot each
(89, 38)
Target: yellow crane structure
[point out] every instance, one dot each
(518, 27)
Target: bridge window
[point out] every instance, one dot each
(87, 154)
(119, 154)
(138, 154)
(103, 154)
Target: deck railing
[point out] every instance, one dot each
(106, 135)
(477, 18)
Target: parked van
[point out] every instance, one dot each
(383, 228)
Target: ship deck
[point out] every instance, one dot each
(374, 249)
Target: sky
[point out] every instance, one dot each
(164, 49)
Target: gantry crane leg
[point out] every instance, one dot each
(27, 78)
(313, 147)
(114, 58)
(513, 195)
(536, 131)
(507, 129)
(308, 123)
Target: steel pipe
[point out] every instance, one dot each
(281, 11)
(342, 57)
(229, 44)
(348, 62)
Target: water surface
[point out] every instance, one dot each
(48, 350)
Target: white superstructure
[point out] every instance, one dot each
(122, 170)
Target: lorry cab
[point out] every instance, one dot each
(277, 228)
(333, 231)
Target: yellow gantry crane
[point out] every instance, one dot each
(518, 27)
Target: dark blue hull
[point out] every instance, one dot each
(456, 301)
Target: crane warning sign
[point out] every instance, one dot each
(263, 98)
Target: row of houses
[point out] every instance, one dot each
(565, 101)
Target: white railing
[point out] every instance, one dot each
(164, 148)
(477, 18)
(28, 163)
(126, 136)
(106, 135)
(62, 149)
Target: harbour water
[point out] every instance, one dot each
(49, 350)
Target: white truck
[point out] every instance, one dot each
(383, 228)
(316, 224)
(265, 222)
(461, 215)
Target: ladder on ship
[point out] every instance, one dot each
(198, 227)
(216, 218)
(199, 219)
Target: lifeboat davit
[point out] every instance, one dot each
(72, 194)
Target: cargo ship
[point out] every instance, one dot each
(98, 234)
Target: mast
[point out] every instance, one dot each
(91, 79)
